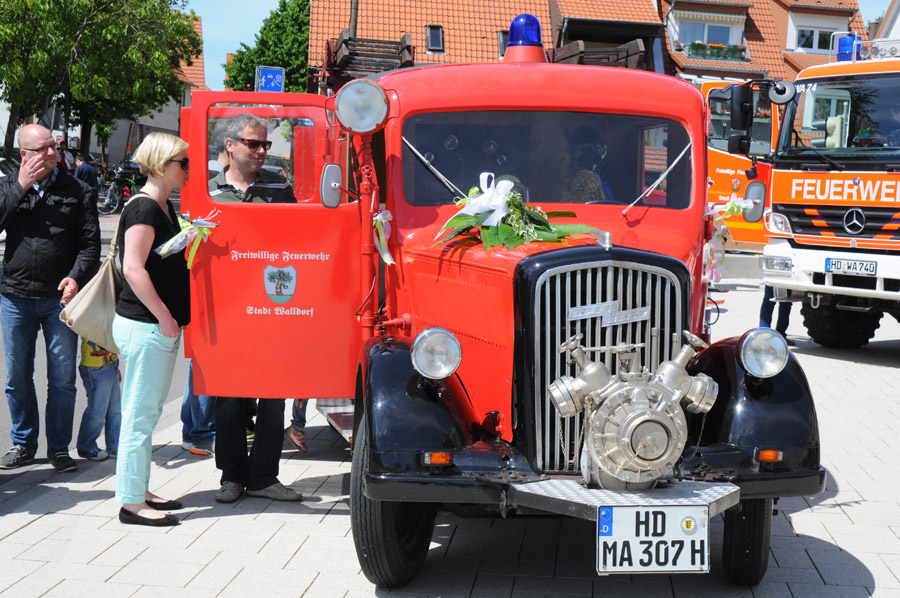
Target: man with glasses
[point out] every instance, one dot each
(244, 180)
(52, 250)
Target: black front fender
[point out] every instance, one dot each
(409, 414)
(753, 414)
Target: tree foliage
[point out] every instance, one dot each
(102, 60)
(282, 41)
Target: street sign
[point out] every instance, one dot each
(269, 78)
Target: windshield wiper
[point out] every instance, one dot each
(831, 162)
(437, 174)
(658, 181)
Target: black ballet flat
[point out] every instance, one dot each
(169, 505)
(126, 516)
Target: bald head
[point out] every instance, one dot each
(30, 135)
(38, 149)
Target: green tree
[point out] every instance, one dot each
(281, 278)
(282, 41)
(101, 60)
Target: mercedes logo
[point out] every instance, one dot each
(854, 221)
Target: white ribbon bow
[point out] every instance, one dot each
(382, 230)
(492, 199)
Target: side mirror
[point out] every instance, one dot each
(330, 185)
(755, 192)
(738, 143)
(741, 107)
(781, 92)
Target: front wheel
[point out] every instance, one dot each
(745, 546)
(109, 200)
(837, 328)
(391, 538)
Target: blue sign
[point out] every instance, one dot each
(269, 78)
(605, 521)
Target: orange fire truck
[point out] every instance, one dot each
(835, 196)
(514, 368)
(728, 173)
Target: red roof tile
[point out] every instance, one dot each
(194, 74)
(470, 26)
(885, 20)
(798, 61)
(631, 11)
(847, 5)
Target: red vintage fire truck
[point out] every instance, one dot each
(487, 374)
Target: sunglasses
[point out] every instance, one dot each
(255, 144)
(184, 162)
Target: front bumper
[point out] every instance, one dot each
(805, 263)
(551, 495)
(568, 496)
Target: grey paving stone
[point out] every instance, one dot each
(95, 589)
(151, 573)
(801, 590)
(492, 586)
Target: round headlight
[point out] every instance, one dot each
(763, 352)
(436, 353)
(361, 106)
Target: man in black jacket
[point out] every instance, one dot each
(52, 250)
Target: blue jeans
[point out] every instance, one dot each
(298, 414)
(20, 319)
(149, 362)
(768, 308)
(198, 414)
(104, 406)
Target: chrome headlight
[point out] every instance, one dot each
(763, 352)
(361, 106)
(436, 353)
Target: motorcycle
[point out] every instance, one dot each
(117, 186)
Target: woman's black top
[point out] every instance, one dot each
(170, 276)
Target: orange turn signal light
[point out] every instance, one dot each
(436, 458)
(769, 456)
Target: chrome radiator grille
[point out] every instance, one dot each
(609, 303)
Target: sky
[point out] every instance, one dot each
(227, 23)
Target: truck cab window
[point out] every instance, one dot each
(552, 157)
(263, 154)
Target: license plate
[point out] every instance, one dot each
(852, 267)
(652, 539)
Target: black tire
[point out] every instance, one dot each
(109, 200)
(391, 538)
(745, 547)
(838, 328)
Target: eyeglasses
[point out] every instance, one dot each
(41, 150)
(184, 162)
(255, 144)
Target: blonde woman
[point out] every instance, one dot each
(151, 312)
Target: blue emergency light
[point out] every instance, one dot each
(845, 48)
(525, 30)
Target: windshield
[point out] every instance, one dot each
(552, 157)
(849, 119)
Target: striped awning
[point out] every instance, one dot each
(710, 17)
